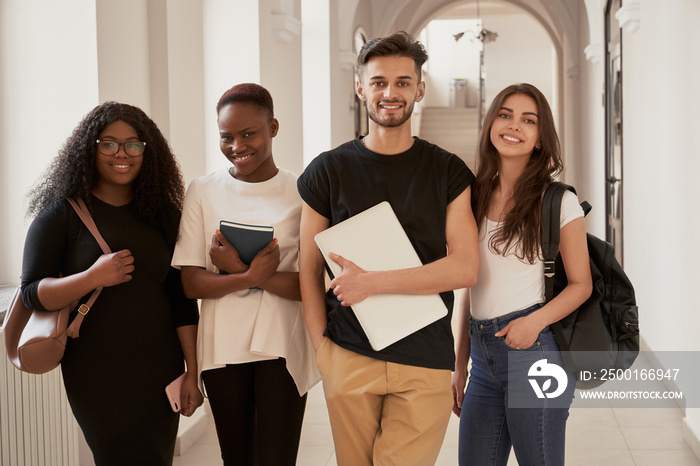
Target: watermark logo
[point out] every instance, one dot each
(543, 370)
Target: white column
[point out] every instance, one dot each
(328, 81)
(281, 74)
(122, 52)
(316, 87)
(232, 52)
(185, 102)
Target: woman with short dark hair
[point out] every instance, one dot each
(255, 355)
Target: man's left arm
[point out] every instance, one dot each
(456, 270)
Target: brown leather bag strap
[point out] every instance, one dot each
(84, 214)
(73, 330)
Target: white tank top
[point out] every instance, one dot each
(506, 284)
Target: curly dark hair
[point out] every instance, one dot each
(520, 230)
(158, 189)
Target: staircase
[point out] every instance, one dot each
(453, 129)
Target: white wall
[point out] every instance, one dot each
(316, 62)
(241, 44)
(231, 56)
(523, 52)
(123, 61)
(185, 76)
(282, 51)
(48, 82)
(450, 59)
(659, 113)
(660, 104)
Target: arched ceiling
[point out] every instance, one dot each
(558, 17)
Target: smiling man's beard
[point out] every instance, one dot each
(392, 121)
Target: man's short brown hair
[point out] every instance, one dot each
(400, 44)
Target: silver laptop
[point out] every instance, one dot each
(375, 240)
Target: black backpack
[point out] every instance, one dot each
(602, 335)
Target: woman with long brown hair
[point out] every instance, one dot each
(504, 316)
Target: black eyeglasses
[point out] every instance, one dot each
(132, 148)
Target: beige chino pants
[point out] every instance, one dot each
(383, 413)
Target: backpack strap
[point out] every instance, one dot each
(551, 213)
(84, 214)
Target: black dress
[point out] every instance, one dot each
(115, 373)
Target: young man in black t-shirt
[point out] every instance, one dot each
(390, 406)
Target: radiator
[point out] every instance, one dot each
(37, 426)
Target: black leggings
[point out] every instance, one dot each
(257, 411)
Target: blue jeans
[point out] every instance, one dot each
(489, 424)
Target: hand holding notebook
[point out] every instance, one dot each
(236, 246)
(224, 256)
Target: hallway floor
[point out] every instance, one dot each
(595, 436)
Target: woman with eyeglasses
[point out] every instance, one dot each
(135, 338)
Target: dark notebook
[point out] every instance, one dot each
(247, 239)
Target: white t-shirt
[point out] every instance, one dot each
(506, 284)
(247, 325)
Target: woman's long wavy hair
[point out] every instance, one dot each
(158, 189)
(519, 233)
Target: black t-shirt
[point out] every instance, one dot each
(419, 184)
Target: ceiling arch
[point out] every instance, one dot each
(557, 17)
